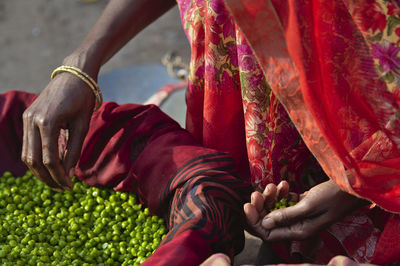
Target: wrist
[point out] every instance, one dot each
(85, 61)
(92, 84)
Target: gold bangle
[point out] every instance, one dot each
(85, 78)
(90, 79)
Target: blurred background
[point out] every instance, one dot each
(36, 35)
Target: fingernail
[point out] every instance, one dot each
(71, 172)
(268, 223)
(227, 259)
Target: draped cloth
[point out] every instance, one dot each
(295, 90)
(139, 148)
(305, 88)
(319, 64)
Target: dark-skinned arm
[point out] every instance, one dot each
(119, 23)
(67, 102)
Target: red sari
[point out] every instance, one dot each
(289, 80)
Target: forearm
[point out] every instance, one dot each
(119, 23)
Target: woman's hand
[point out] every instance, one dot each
(66, 103)
(262, 203)
(319, 207)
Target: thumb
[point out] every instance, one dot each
(285, 216)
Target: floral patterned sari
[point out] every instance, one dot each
(297, 89)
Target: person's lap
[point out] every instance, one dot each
(136, 147)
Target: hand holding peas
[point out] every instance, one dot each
(273, 197)
(315, 210)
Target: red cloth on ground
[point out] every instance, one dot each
(136, 147)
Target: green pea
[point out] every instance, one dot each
(283, 203)
(47, 227)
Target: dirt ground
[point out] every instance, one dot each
(35, 36)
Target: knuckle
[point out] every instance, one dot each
(282, 218)
(23, 158)
(27, 115)
(48, 162)
(300, 234)
(29, 160)
(41, 121)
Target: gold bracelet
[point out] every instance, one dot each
(85, 78)
(89, 78)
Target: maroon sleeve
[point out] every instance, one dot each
(12, 106)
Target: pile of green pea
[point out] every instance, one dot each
(282, 203)
(84, 226)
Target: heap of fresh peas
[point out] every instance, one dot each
(282, 203)
(85, 226)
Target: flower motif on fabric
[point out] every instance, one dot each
(221, 50)
(223, 18)
(383, 38)
(387, 55)
(254, 120)
(370, 15)
(222, 61)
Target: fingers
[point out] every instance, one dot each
(270, 196)
(253, 218)
(74, 148)
(296, 231)
(283, 189)
(254, 212)
(24, 153)
(32, 153)
(265, 201)
(39, 152)
(300, 230)
(51, 160)
(257, 201)
(252, 215)
(58, 106)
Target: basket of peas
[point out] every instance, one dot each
(84, 226)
